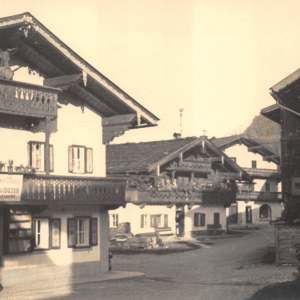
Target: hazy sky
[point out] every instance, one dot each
(216, 59)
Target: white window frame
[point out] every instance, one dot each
(36, 156)
(80, 159)
(113, 220)
(41, 229)
(146, 220)
(82, 228)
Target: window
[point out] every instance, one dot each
(19, 231)
(80, 159)
(82, 232)
(199, 220)
(254, 165)
(36, 156)
(154, 221)
(41, 227)
(216, 218)
(46, 233)
(233, 158)
(267, 186)
(113, 221)
(145, 221)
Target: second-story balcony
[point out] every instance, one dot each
(29, 100)
(169, 197)
(260, 196)
(45, 189)
(263, 173)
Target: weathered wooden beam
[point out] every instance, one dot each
(116, 126)
(269, 157)
(63, 80)
(119, 120)
(250, 149)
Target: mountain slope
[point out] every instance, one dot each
(267, 131)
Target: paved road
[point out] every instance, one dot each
(227, 269)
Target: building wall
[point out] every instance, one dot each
(276, 210)
(209, 211)
(132, 214)
(244, 159)
(65, 255)
(73, 128)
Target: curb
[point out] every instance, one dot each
(47, 288)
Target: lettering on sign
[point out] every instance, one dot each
(193, 166)
(10, 187)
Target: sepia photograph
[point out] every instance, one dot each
(150, 149)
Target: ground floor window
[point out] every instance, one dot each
(82, 232)
(154, 221)
(113, 221)
(199, 220)
(24, 233)
(216, 218)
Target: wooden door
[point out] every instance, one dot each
(248, 214)
(180, 222)
(233, 214)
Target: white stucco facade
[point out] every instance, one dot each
(244, 158)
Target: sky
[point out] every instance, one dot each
(216, 59)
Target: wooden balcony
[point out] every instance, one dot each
(165, 197)
(43, 189)
(263, 173)
(260, 196)
(19, 98)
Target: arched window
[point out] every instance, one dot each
(265, 212)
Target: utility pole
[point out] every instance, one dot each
(181, 111)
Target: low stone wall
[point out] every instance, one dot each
(285, 238)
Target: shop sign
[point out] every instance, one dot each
(10, 187)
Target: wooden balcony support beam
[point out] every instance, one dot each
(116, 126)
(63, 81)
(269, 157)
(254, 148)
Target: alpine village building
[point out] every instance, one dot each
(180, 186)
(286, 112)
(260, 201)
(54, 193)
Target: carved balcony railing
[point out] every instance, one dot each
(260, 196)
(165, 197)
(19, 98)
(43, 189)
(263, 173)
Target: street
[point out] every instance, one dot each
(225, 268)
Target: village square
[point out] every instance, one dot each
(105, 195)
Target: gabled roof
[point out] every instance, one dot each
(251, 143)
(42, 51)
(145, 157)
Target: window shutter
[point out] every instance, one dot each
(71, 233)
(195, 219)
(70, 159)
(29, 159)
(42, 157)
(55, 230)
(142, 221)
(117, 221)
(94, 232)
(88, 160)
(152, 221)
(51, 154)
(202, 220)
(166, 221)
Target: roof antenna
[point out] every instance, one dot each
(181, 111)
